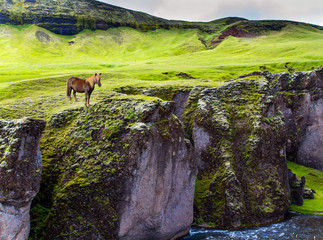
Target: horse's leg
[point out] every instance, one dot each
(68, 92)
(74, 93)
(86, 98)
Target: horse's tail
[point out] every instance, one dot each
(68, 89)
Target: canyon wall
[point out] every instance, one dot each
(20, 173)
(244, 133)
(123, 171)
(143, 168)
(300, 99)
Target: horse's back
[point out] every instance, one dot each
(79, 85)
(72, 79)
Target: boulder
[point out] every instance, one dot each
(308, 193)
(296, 189)
(20, 174)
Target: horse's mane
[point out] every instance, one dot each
(90, 79)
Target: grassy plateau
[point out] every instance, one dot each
(36, 63)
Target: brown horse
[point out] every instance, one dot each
(82, 86)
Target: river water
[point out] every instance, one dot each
(295, 226)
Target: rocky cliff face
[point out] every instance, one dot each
(243, 133)
(70, 17)
(20, 173)
(243, 174)
(123, 171)
(300, 99)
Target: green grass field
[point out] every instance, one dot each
(35, 63)
(145, 56)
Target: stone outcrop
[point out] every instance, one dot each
(300, 99)
(243, 134)
(123, 171)
(296, 188)
(308, 193)
(243, 174)
(20, 174)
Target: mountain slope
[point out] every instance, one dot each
(70, 16)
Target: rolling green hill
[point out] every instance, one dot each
(35, 63)
(29, 52)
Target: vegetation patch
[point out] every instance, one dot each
(313, 180)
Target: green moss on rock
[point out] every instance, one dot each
(242, 180)
(86, 165)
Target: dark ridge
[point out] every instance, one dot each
(70, 16)
(263, 26)
(229, 20)
(250, 29)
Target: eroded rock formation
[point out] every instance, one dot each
(243, 173)
(300, 99)
(243, 134)
(296, 188)
(20, 174)
(126, 173)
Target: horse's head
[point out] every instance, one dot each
(97, 79)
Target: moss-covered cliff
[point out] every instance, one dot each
(243, 133)
(118, 169)
(243, 177)
(20, 174)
